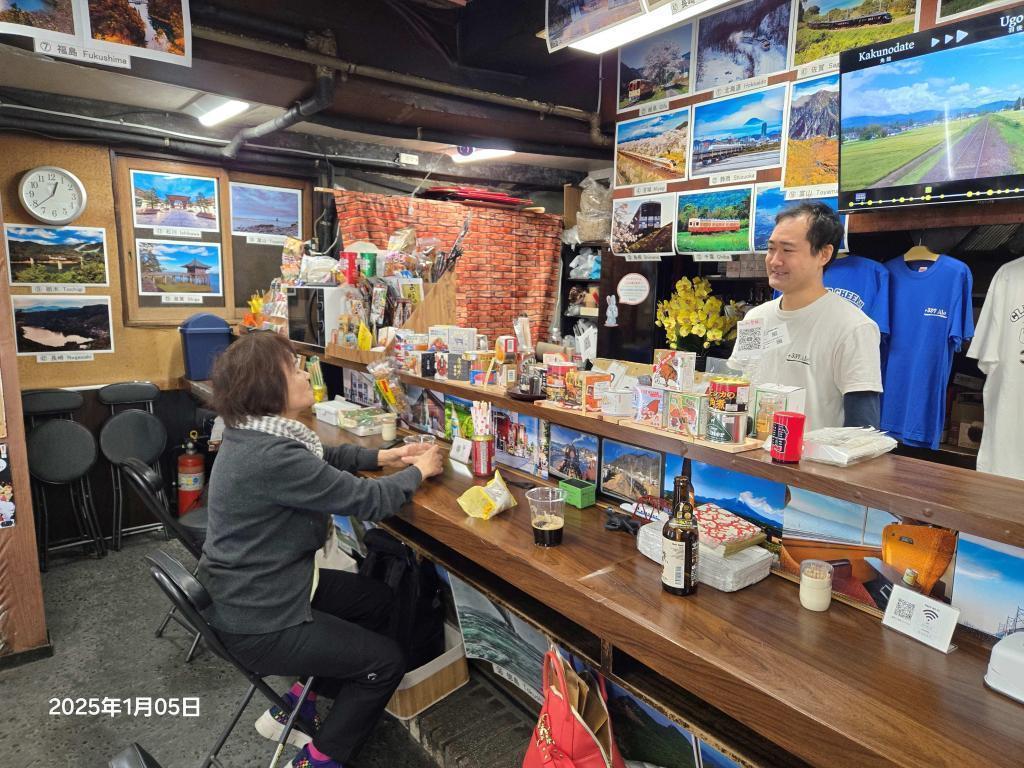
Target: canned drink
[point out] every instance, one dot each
(482, 456)
(727, 394)
(727, 427)
(787, 436)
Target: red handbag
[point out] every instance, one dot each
(566, 737)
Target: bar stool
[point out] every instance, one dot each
(62, 452)
(130, 435)
(190, 598)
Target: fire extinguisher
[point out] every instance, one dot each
(191, 476)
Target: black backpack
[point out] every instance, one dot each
(417, 623)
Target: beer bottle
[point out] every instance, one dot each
(680, 539)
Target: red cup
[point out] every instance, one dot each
(787, 436)
(350, 261)
(482, 456)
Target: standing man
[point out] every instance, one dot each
(815, 339)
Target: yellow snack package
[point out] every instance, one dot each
(364, 339)
(487, 501)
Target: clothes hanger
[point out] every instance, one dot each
(920, 252)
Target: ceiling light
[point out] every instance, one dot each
(642, 26)
(479, 154)
(223, 111)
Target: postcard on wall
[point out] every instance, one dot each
(629, 471)
(518, 442)
(651, 739)
(56, 255)
(359, 387)
(988, 585)
(741, 42)
(167, 200)
(812, 145)
(62, 324)
(827, 27)
(59, 21)
(738, 133)
(714, 221)
(770, 201)
(652, 149)
(756, 500)
(154, 29)
(958, 9)
(656, 68)
(572, 455)
(643, 225)
(6, 490)
(265, 215)
(570, 21)
(173, 266)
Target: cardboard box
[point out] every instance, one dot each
(423, 364)
(673, 369)
(585, 389)
(650, 406)
(425, 686)
(969, 435)
(461, 339)
(687, 413)
(769, 398)
(438, 337)
(458, 367)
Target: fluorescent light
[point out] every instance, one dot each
(223, 111)
(641, 26)
(481, 154)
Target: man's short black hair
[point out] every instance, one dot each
(824, 227)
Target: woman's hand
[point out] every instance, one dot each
(401, 457)
(429, 462)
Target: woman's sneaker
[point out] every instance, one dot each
(305, 760)
(271, 723)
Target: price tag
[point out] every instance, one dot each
(193, 234)
(653, 188)
(741, 87)
(643, 257)
(65, 357)
(926, 620)
(181, 298)
(58, 288)
(654, 107)
(712, 256)
(734, 177)
(461, 450)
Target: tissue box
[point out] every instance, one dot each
(461, 339)
(769, 398)
(687, 413)
(330, 410)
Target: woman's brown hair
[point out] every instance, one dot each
(249, 377)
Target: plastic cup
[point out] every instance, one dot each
(815, 585)
(547, 515)
(389, 427)
(416, 439)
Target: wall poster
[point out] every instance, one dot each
(812, 146)
(266, 215)
(569, 21)
(144, 29)
(56, 255)
(176, 267)
(826, 27)
(651, 149)
(738, 133)
(714, 221)
(747, 40)
(62, 324)
(655, 67)
(168, 200)
(643, 225)
(54, 20)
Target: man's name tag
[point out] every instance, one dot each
(778, 336)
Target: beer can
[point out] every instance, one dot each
(787, 436)
(727, 427)
(728, 394)
(481, 457)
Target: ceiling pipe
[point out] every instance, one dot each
(323, 97)
(593, 119)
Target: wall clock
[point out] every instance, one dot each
(52, 195)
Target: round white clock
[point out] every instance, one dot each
(52, 195)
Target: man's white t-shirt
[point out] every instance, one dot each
(830, 348)
(998, 347)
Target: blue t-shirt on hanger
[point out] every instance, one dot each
(931, 316)
(862, 282)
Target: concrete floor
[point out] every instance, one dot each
(101, 615)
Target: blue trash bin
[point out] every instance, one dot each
(203, 338)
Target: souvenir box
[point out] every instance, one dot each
(438, 337)
(769, 398)
(650, 406)
(673, 369)
(687, 413)
(461, 339)
(585, 389)
(458, 367)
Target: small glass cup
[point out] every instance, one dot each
(815, 585)
(388, 426)
(416, 439)
(547, 515)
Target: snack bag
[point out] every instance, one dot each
(486, 501)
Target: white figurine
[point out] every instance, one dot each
(611, 315)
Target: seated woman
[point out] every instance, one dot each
(272, 492)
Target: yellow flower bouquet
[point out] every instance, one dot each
(694, 319)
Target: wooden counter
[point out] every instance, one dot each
(834, 689)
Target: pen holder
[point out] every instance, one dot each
(482, 456)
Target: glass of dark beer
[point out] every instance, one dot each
(547, 515)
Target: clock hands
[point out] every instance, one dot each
(55, 186)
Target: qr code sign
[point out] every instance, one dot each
(904, 609)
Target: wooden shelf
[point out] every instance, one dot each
(833, 688)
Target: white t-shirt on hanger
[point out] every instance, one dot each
(998, 347)
(830, 348)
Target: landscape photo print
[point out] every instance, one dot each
(743, 41)
(569, 21)
(652, 148)
(171, 200)
(62, 324)
(643, 224)
(656, 67)
(56, 255)
(812, 148)
(628, 471)
(738, 133)
(715, 221)
(171, 266)
(261, 210)
(147, 29)
(827, 27)
(56, 20)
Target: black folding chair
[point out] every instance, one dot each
(134, 757)
(190, 530)
(131, 434)
(190, 598)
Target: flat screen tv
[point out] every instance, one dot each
(934, 117)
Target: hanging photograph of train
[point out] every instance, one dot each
(717, 221)
(826, 27)
(652, 148)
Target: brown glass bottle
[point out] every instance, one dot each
(680, 540)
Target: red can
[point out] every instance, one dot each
(482, 456)
(787, 436)
(350, 263)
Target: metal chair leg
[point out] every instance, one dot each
(291, 722)
(90, 512)
(117, 511)
(84, 525)
(192, 651)
(211, 759)
(167, 619)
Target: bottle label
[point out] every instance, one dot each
(674, 555)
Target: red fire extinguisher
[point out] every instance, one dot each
(191, 476)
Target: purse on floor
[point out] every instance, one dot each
(574, 729)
